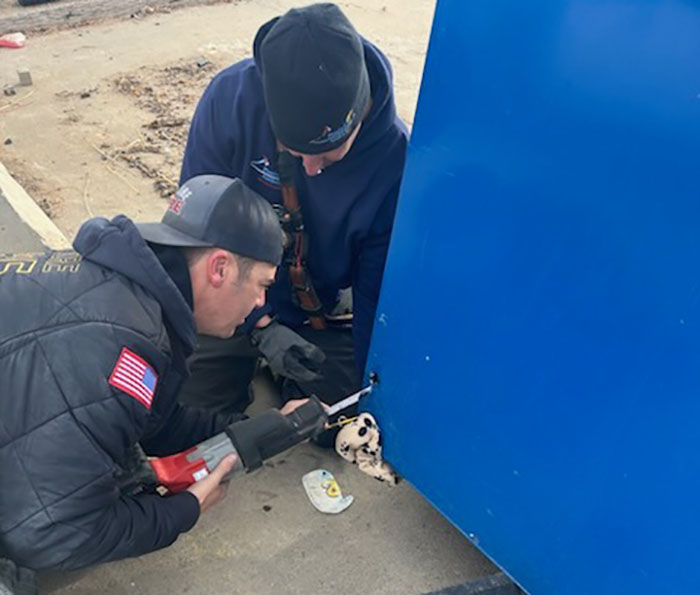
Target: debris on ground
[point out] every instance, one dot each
(12, 40)
(170, 94)
(324, 492)
(82, 94)
(15, 103)
(149, 10)
(32, 2)
(25, 77)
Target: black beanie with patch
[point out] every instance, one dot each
(314, 77)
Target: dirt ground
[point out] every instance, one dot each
(102, 129)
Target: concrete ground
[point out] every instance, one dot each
(387, 542)
(24, 227)
(266, 538)
(14, 235)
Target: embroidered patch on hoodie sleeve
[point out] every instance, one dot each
(135, 377)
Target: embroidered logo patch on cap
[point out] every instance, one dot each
(331, 136)
(135, 377)
(177, 200)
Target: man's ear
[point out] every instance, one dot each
(220, 266)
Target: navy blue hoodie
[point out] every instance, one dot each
(348, 210)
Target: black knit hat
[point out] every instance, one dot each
(219, 212)
(314, 77)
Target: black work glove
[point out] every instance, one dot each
(287, 353)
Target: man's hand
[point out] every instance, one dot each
(210, 490)
(293, 404)
(287, 353)
(264, 321)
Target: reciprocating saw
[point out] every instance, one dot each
(252, 440)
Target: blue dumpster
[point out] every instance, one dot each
(537, 340)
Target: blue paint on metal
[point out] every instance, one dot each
(538, 334)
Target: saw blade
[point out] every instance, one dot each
(348, 401)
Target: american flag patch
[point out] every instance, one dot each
(135, 377)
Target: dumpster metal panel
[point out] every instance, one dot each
(538, 335)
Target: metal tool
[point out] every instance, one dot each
(349, 401)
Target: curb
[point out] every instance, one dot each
(30, 213)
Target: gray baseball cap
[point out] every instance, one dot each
(221, 212)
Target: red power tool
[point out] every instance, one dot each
(253, 441)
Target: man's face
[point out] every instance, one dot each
(224, 295)
(315, 164)
(249, 292)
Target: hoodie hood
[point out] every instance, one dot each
(117, 245)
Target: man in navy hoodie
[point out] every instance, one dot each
(317, 97)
